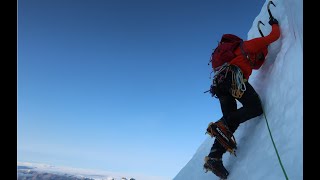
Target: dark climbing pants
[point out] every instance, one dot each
(251, 107)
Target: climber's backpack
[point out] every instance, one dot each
(224, 52)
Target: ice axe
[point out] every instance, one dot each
(270, 17)
(270, 14)
(260, 22)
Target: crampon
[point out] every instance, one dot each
(223, 135)
(216, 167)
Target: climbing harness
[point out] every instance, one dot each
(238, 86)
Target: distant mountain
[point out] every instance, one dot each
(39, 171)
(29, 173)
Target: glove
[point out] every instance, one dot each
(272, 21)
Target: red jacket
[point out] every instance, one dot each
(252, 48)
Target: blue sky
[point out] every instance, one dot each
(118, 85)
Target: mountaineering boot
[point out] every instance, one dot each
(215, 165)
(221, 132)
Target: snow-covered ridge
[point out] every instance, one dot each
(27, 170)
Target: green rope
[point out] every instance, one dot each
(274, 145)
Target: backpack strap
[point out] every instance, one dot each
(245, 54)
